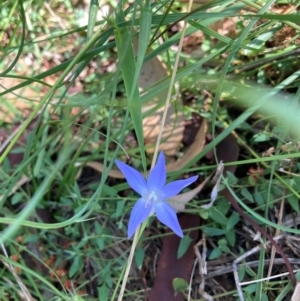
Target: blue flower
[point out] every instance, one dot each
(154, 195)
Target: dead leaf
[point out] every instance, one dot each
(18, 102)
(179, 201)
(191, 128)
(6, 137)
(172, 133)
(192, 151)
(153, 71)
(170, 267)
(217, 180)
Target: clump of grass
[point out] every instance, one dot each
(64, 224)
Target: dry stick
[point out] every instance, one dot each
(269, 278)
(222, 270)
(257, 227)
(191, 280)
(202, 264)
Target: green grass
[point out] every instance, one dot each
(68, 222)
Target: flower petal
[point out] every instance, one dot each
(166, 215)
(141, 210)
(134, 179)
(157, 176)
(173, 188)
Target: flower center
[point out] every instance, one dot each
(152, 197)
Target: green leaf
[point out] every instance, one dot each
(107, 275)
(93, 10)
(84, 101)
(76, 266)
(247, 195)
(294, 202)
(259, 41)
(128, 66)
(259, 198)
(98, 228)
(109, 191)
(241, 273)
(100, 243)
(215, 253)
(213, 231)
(261, 137)
(17, 197)
(119, 210)
(139, 256)
(233, 220)
(231, 178)
(250, 288)
(32, 238)
(183, 246)
(179, 285)
(223, 205)
(230, 235)
(103, 291)
(264, 297)
(218, 216)
(204, 213)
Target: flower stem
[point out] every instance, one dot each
(129, 262)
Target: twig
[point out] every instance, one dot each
(266, 279)
(202, 267)
(229, 269)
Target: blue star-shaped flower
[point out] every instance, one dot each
(154, 195)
